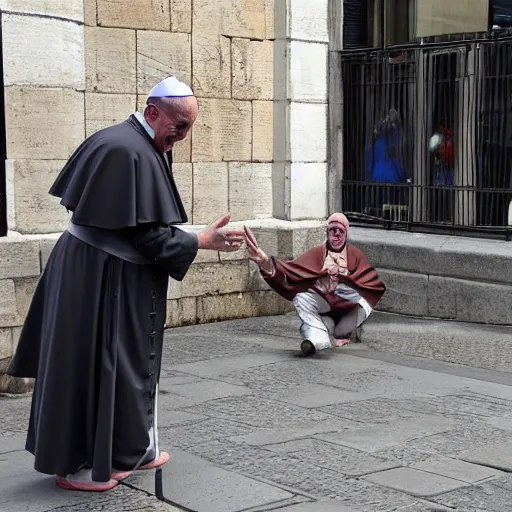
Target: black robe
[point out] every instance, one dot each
(93, 335)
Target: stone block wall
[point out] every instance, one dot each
(72, 67)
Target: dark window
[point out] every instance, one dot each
(383, 23)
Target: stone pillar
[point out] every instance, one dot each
(43, 47)
(300, 110)
(44, 78)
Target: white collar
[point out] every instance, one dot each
(144, 123)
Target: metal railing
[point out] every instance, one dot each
(427, 137)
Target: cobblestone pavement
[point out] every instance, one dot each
(252, 426)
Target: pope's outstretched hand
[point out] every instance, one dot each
(216, 237)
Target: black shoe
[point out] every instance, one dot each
(308, 349)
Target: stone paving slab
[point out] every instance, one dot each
(312, 396)
(378, 437)
(260, 412)
(462, 437)
(415, 482)
(203, 487)
(206, 390)
(458, 469)
(494, 455)
(266, 437)
(208, 369)
(486, 497)
(346, 461)
(318, 506)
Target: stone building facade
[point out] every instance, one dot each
(258, 149)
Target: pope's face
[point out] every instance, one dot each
(171, 120)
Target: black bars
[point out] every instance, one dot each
(428, 137)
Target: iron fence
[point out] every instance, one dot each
(427, 136)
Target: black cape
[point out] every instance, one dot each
(93, 335)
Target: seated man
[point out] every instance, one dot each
(332, 286)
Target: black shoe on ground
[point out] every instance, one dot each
(308, 349)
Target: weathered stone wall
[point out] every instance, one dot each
(455, 278)
(73, 67)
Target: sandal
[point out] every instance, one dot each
(85, 486)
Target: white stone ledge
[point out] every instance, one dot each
(473, 259)
(69, 10)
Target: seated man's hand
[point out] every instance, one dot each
(215, 238)
(256, 254)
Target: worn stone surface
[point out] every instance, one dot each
(50, 53)
(90, 13)
(474, 345)
(19, 258)
(213, 278)
(181, 312)
(108, 50)
(5, 343)
(346, 461)
(233, 18)
(161, 53)
(308, 140)
(491, 497)
(308, 71)
(252, 69)
(458, 470)
(494, 455)
(182, 150)
(210, 191)
(24, 289)
(262, 131)
(406, 293)
(240, 305)
(223, 131)
(103, 110)
(143, 14)
(67, 9)
(183, 177)
(61, 112)
(269, 19)
(250, 191)
(308, 194)
(309, 20)
(7, 298)
(36, 211)
(46, 246)
(223, 491)
(237, 412)
(181, 16)
(211, 61)
(417, 483)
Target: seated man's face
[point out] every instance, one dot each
(336, 237)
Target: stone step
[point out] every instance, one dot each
(475, 345)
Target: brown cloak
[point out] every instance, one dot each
(301, 274)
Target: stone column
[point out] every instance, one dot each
(300, 109)
(43, 45)
(44, 78)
